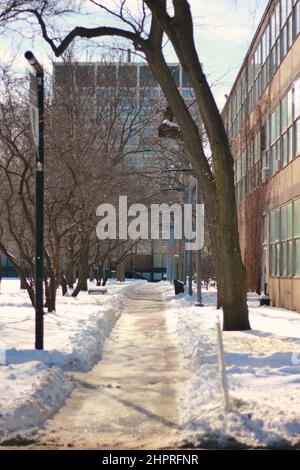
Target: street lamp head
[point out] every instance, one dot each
(30, 57)
(34, 62)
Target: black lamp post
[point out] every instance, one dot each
(36, 98)
(188, 255)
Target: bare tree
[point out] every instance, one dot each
(91, 160)
(16, 176)
(147, 35)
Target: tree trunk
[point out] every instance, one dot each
(70, 275)
(83, 268)
(219, 192)
(98, 275)
(232, 289)
(64, 284)
(50, 291)
(22, 284)
(27, 286)
(221, 217)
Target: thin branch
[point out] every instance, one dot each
(82, 32)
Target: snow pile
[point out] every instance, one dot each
(30, 393)
(34, 384)
(263, 368)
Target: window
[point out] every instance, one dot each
(263, 135)
(290, 107)
(277, 19)
(273, 127)
(290, 144)
(283, 132)
(286, 235)
(146, 77)
(297, 97)
(283, 11)
(186, 93)
(265, 229)
(296, 230)
(274, 237)
(284, 42)
(250, 74)
(107, 76)
(273, 29)
(297, 137)
(127, 75)
(289, 220)
(282, 240)
(290, 32)
(284, 113)
(285, 149)
(243, 163)
(297, 19)
(297, 257)
(296, 218)
(257, 147)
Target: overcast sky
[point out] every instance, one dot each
(223, 32)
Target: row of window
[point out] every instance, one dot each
(279, 35)
(275, 145)
(114, 75)
(249, 182)
(282, 239)
(131, 93)
(282, 131)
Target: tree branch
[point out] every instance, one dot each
(82, 32)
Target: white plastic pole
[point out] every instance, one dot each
(222, 366)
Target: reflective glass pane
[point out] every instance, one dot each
(296, 218)
(297, 256)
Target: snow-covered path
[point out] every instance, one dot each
(128, 400)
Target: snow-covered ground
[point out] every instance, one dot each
(263, 369)
(34, 384)
(263, 365)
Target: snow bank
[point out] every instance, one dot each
(30, 394)
(263, 368)
(34, 384)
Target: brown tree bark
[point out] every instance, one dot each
(220, 206)
(50, 293)
(83, 267)
(64, 284)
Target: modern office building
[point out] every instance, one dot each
(136, 85)
(139, 89)
(262, 117)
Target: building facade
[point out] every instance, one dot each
(136, 85)
(262, 118)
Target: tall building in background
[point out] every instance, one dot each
(262, 117)
(134, 82)
(98, 78)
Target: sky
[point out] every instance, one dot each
(223, 31)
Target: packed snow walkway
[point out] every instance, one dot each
(128, 400)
